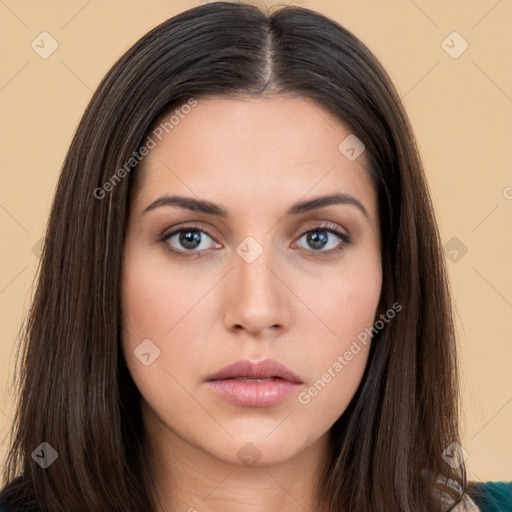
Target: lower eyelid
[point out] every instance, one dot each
(344, 240)
(343, 243)
(167, 236)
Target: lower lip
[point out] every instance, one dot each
(253, 394)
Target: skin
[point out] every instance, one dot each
(255, 157)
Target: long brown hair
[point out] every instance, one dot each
(75, 392)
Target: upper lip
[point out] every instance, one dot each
(255, 370)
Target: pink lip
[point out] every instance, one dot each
(254, 394)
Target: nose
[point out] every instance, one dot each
(257, 298)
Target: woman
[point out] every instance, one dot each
(304, 357)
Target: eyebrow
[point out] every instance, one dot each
(200, 205)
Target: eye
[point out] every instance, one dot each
(325, 236)
(186, 240)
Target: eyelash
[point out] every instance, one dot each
(345, 240)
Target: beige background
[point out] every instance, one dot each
(461, 110)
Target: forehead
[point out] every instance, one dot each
(253, 149)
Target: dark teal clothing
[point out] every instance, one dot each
(488, 496)
(491, 496)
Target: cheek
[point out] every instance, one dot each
(162, 307)
(338, 359)
(143, 322)
(327, 396)
(347, 306)
(153, 300)
(145, 318)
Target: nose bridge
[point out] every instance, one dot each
(256, 295)
(253, 261)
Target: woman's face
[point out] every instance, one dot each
(258, 282)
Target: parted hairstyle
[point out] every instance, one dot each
(72, 385)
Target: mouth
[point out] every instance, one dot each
(262, 370)
(254, 384)
(247, 379)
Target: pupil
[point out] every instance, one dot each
(187, 239)
(316, 240)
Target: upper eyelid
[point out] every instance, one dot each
(331, 227)
(197, 226)
(176, 229)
